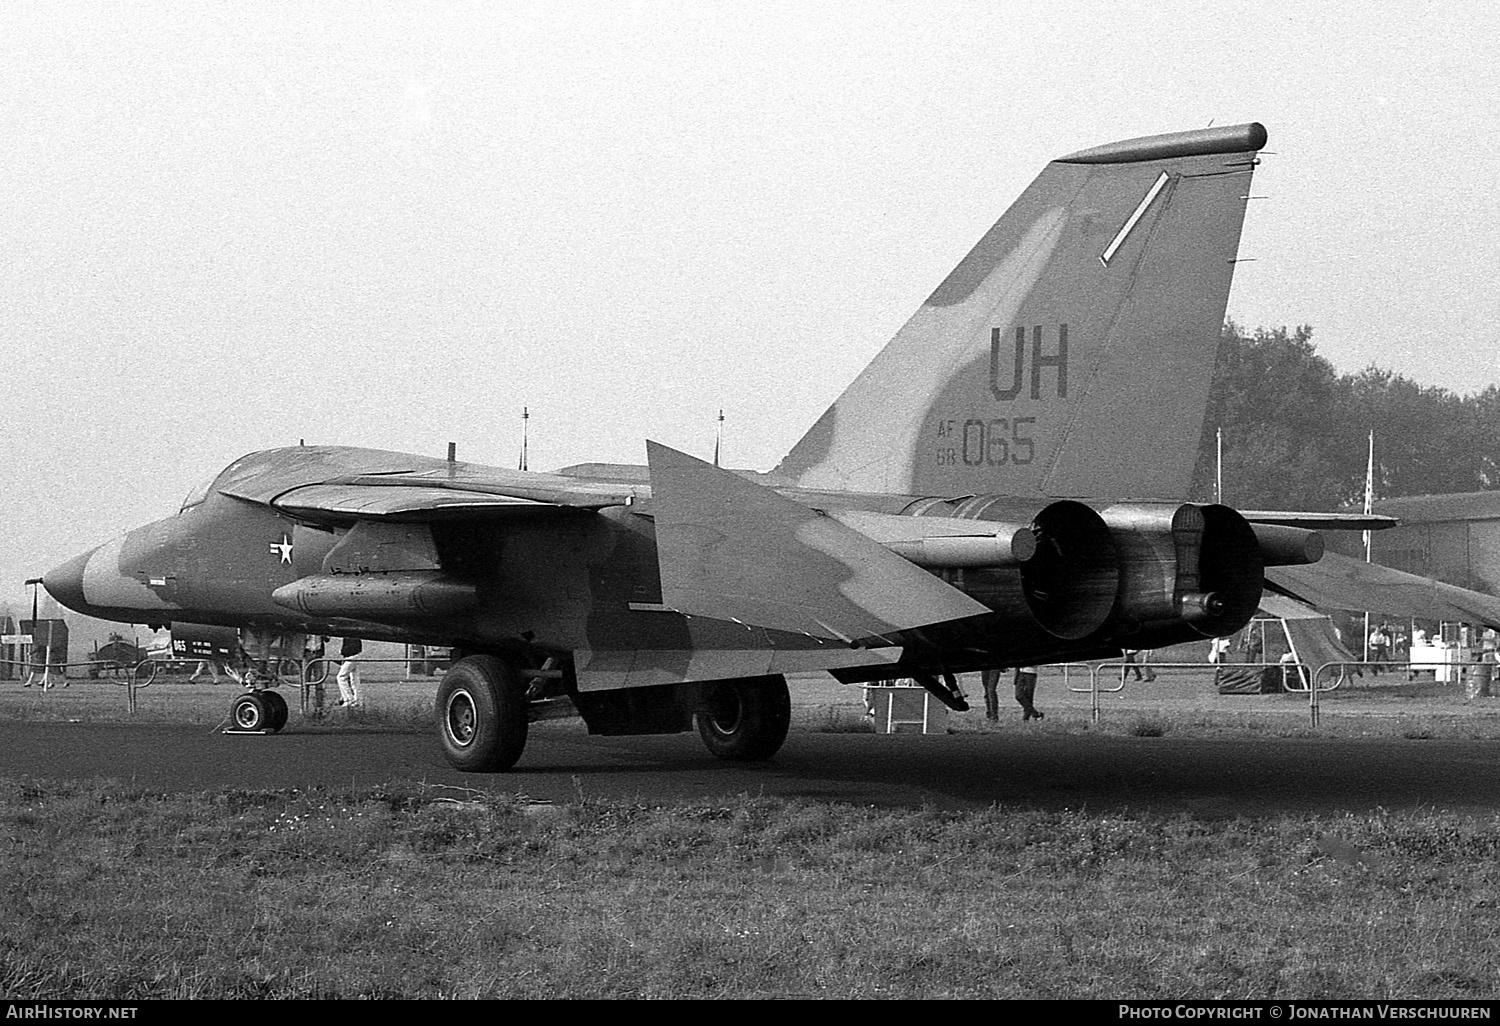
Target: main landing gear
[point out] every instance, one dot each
(745, 720)
(486, 703)
(257, 712)
(481, 714)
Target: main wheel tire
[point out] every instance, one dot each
(276, 709)
(481, 715)
(745, 720)
(250, 712)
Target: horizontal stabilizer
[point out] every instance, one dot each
(1284, 608)
(1320, 521)
(1339, 582)
(731, 549)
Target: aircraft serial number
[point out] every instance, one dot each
(986, 443)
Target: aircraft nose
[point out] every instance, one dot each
(65, 583)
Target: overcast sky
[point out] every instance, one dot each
(233, 226)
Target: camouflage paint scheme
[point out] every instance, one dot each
(927, 523)
(1037, 369)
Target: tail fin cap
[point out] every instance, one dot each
(1228, 139)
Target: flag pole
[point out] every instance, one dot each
(1218, 465)
(1369, 507)
(1369, 489)
(525, 420)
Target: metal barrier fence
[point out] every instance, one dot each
(46, 671)
(308, 676)
(1294, 676)
(1481, 671)
(126, 679)
(1124, 669)
(315, 674)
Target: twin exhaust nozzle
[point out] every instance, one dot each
(1124, 567)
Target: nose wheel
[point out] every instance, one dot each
(257, 712)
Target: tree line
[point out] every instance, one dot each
(1296, 432)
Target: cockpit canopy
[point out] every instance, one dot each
(196, 496)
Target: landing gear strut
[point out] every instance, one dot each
(945, 689)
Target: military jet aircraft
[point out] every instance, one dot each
(1002, 485)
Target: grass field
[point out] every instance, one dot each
(427, 893)
(415, 891)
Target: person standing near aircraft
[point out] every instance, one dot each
(1380, 642)
(1218, 648)
(348, 678)
(1401, 650)
(991, 680)
(1026, 693)
(1132, 666)
(205, 668)
(1254, 646)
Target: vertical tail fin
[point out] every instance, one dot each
(1069, 354)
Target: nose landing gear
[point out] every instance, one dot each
(257, 712)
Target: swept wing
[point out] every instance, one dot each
(340, 484)
(1339, 582)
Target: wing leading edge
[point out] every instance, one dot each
(355, 501)
(340, 484)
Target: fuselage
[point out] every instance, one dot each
(564, 579)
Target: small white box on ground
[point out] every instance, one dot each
(905, 709)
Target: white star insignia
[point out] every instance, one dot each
(284, 547)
